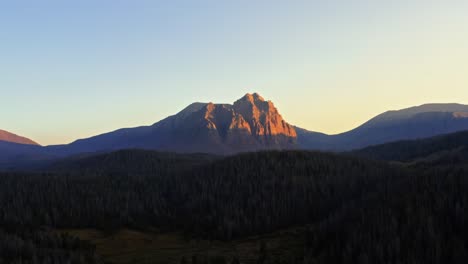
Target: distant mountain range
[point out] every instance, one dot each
(10, 137)
(249, 124)
(411, 123)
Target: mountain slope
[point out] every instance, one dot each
(250, 124)
(411, 123)
(131, 161)
(244, 194)
(449, 148)
(14, 156)
(10, 137)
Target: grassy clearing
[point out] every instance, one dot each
(130, 246)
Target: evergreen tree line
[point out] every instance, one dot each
(23, 245)
(355, 210)
(238, 196)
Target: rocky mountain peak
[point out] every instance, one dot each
(251, 98)
(250, 123)
(262, 116)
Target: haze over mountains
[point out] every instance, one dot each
(249, 124)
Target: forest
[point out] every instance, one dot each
(343, 207)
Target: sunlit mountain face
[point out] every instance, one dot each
(13, 138)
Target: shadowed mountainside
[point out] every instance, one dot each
(449, 149)
(250, 124)
(410, 123)
(132, 161)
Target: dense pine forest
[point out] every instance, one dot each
(343, 208)
(443, 146)
(20, 244)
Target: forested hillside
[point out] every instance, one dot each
(23, 245)
(345, 209)
(128, 162)
(418, 150)
(241, 195)
(418, 220)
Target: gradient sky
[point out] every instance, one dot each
(73, 69)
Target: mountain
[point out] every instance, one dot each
(19, 152)
(250, 124)
(10, 137)
(447, 149)
(412, 123)
(14, 156)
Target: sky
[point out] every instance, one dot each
(74, 69)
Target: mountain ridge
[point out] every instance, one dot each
(251, 123)
(13, 138)
(422, 121)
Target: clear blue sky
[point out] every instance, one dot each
(73, 69)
